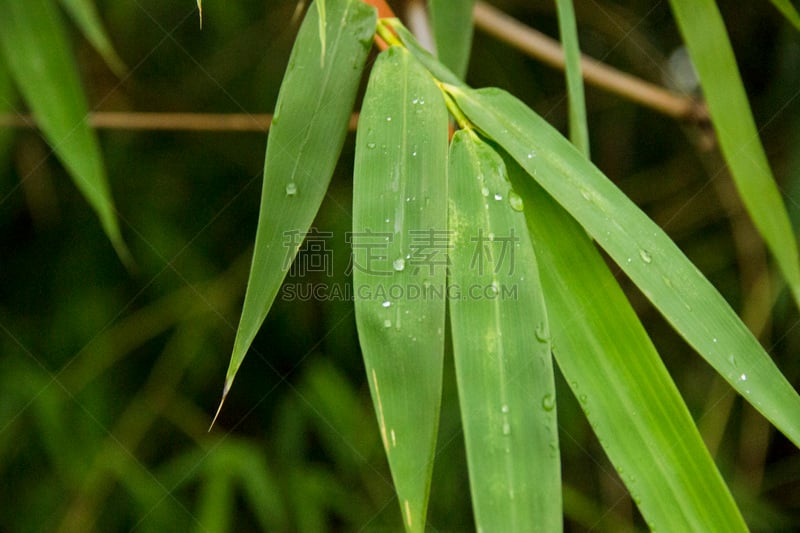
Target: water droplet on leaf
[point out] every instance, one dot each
(516, 201)
(291, 189)
(399, 264)
(548, 402)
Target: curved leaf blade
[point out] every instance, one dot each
(647, 255)
(36, 49)
(501, 348)
(712, 55)
(620, 381)
(306, 137)
(399, 245)
(84, 13)
(452, 30)
(788, 11)
(578, 125)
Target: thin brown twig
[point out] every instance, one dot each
(549, 51)
(114, 120)
(489, 19)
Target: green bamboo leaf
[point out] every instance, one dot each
(216, 505)
(452, 31)
(578, 125)
(710, 49)
(35, 46)
(85, 15)
(322, 18)
(200, 11)
(399, 264)
(789, 11)
(646, 254)
(308, 130)
(621, 383)
(501, 348)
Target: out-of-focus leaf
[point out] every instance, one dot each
(215, 509)
(84, 13)
(619, 379)
(646, 254)
(399, 250)
(789, 11)
(712, 55)
(452, 30)
(501, 347)
(308, 130)
(578, 125)
(35, 47)
(7, 99)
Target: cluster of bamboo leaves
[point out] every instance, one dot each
(505, 178)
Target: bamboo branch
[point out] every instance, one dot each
(166, 121)
(539, 46)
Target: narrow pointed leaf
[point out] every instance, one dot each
(452, 31)
(306, 137)
(84, 13)
(789, 11)
(578, 126)
(36, 49)
(501, 348)
(399, 245)
(646, 254)
(621, 383)
(712, 55)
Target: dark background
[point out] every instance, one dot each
(108, 380)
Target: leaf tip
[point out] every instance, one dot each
(225, 390)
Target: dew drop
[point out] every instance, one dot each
(548, 402)
(387, 323)
(743, 377)
(516, 201)
(506, 428)
(490, 236)
(582, 398)
(485, 191)
(586, 194)
(714, 340)
(645, 255)
(414, 153)
(370, 145)
(498, 196)
(541, 333)
(531, 155)
(399, 264)
(388, 119)
(291, 189)
(387, 303)
(732, 359)
(504, 408)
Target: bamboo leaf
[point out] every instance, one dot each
(399, 250)
(621, 383)
(308, 131)
(36, 48)
(578, 125)
(452, 31)
(647, 255)
(789, 11)
(710, 49)
(85, 15)
(322, 18)
(501, 348)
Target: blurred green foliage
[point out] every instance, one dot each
(108, 381)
